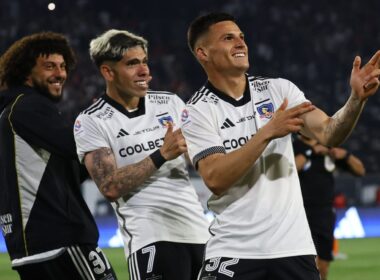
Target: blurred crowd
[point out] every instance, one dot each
(311, 43)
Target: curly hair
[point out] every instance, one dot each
(17, 62)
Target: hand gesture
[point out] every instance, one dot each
(365, 81)
(285, 121)
(174, 143)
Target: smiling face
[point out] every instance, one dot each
(128, 79)
(48, 75)
(223, 49)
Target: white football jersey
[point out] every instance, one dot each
(261, 215)
(165, 207)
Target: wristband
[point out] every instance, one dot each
(157, 158)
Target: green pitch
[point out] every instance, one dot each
(363, 261)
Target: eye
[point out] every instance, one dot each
(228, 37)
(49, 66)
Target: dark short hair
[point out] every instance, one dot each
(17, 62)
(201, 25)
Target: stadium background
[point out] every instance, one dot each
(311, 43)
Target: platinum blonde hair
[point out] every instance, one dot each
(112, 45)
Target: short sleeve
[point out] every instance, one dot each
(200, 131)
(292, 92)
(88, 136)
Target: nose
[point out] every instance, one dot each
(143, 70)
(240, 43)
(60, 72)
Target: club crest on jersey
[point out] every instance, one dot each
(165, 120)
(265, 110)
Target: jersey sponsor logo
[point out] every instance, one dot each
(146, 130)
(122, 133)
(230, 144)
(164, 119)
(107, 114)
(247, 118)
(158, 99)
(266, 110)
(227, 124)
(142, 147)
(260, 86)
(6, 223)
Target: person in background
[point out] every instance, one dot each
(48, 228)
(238, 133)
(131, 143)
(316, 164)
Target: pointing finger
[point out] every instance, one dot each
(284, 105)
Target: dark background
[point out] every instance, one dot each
(311, 43)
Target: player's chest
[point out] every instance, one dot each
(134, 138)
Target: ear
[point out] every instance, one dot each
(107, 72)
(201, 54)
(29, 81)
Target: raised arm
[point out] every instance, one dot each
(332, 131)
(115, 182)
(220, 171)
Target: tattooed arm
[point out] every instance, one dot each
(115, 182)
(332, 131)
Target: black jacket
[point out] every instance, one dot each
(41, 206)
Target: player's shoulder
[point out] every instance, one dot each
(96, 106)
(99, 109)
(203, 97)
(269, 84)
(160, 99)
(27, 99)
(260, 81)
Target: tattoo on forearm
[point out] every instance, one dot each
(121, 181)
(103, 164)
(344, 120)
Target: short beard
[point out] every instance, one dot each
(45, 92)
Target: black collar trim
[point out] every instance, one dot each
(139, 112)
(237, 103)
